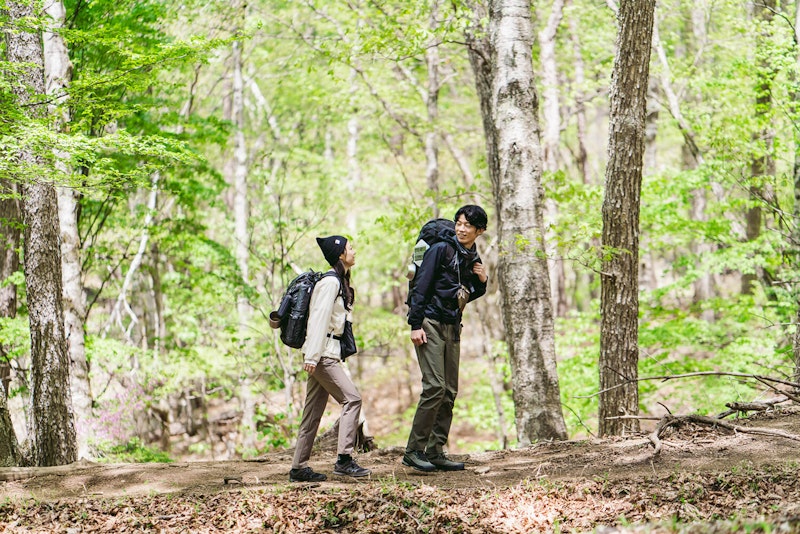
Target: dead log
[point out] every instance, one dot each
(8, 474)
(328, 440)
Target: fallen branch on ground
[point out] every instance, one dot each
(672, 420)
(744, 407)
(767, 380)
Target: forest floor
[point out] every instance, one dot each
(704, 479)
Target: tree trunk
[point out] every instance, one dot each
(651, 127)
(9, 264)
(796, 212)
(242, 242)
(10, 219)
(9, 449)
(432, 107)
(619, 283)
(704, 285)
(121, 303)
(550, 152)
(550, 88)
(52, 428)
(9, 246)
(763, 163)
(504, 78)
(58, 73)
(581, 158)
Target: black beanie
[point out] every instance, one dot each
(332, 247)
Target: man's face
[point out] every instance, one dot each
(465, 232)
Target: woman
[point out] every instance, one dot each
(331, 305)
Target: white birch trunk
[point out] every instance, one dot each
(432, 106)
(52, 427)
(121, 304)
(550, 105)
(240, 201)
(353, 165)
(58, 73)
(550, 153)
(509, 109)
(242, 243)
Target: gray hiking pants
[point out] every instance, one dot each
(438, 362)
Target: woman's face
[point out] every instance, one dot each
(348, 257)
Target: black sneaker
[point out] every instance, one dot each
(418, 461)
(306, 474)
(441, 462)
(350, 469)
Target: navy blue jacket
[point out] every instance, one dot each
(435, 289)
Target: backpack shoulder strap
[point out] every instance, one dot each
(341, 285)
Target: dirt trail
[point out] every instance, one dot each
(621, 476)
(693, 449)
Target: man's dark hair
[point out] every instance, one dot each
(474, 215)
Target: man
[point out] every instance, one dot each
(451, 275)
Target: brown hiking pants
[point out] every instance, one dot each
(328, 379)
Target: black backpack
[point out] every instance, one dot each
(292, 314)
(432, 232)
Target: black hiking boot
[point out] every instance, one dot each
(418, 461)
(442, 463)
(350, 469)
(306, 474)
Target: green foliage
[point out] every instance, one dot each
(134, 451)
(578, 346)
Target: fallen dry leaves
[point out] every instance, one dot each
(769, 494)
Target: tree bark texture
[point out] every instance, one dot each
(504, 77)
(619, 356)
(52, 428)
(58, 74)
(763, 163)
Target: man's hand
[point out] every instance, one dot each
(479, 270)
(309, 368)
(418, 337)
